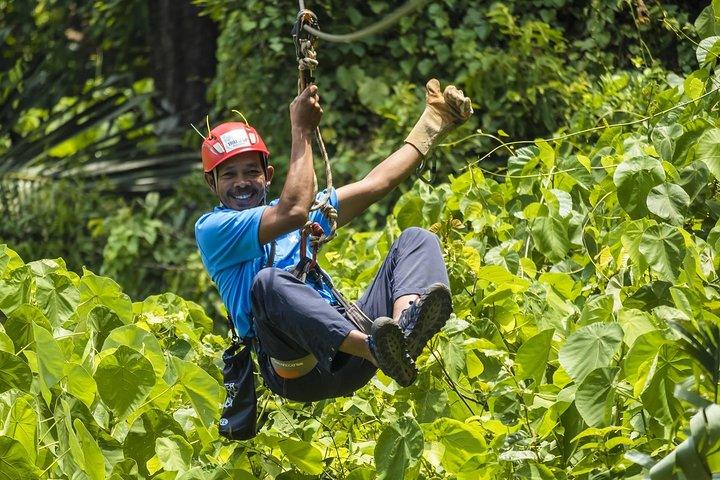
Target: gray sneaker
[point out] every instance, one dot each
(387, 344)
(425, 317)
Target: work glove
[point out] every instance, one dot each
(443, 112)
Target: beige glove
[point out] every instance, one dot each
(444, 112)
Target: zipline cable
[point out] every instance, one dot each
(379, 26)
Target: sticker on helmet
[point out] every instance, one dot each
(235, 139)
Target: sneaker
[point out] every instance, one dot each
(387, 345)
(425, 317)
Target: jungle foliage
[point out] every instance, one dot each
(583, 266)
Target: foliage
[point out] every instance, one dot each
(526, 64)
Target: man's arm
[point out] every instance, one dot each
(444, 111)
(356, 197)
(292, 209)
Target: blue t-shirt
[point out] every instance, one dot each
(231, 252)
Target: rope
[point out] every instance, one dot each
(376, 27)
(308, 62)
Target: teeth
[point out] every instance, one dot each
(242, 197)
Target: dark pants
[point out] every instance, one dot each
(292, 319)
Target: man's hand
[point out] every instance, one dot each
(443, 112)
(305, 110)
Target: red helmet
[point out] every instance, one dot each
(227, 140)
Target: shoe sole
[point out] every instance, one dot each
(391, 353)
(435, 308)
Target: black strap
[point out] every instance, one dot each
(271, 257)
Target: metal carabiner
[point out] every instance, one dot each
(304, 40)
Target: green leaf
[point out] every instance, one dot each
(408, 212)
(14, 464)
(124, 379)
(174, 452)
(14, 373)
(141, 340)
(57, 296)
(664, 137)
(669, 202)
(22, 424)
(694, 180)
(94, 458)
(304, 455)
(80, 384)
(9, 260)
(634, 178)
(399, 446)
(51, 361)
(590, 347)
(15, 289)
(708, 50)
(705, 24)
(96, 291)
(595, 396)
(461, 442)
(532, 356)
(203, 391)
(708, 151)
(694, 88)
(663, 247)
(550, 237)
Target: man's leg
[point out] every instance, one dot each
(292, 320)
(414, 267)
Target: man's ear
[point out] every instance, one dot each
(270, 172)
(210, 180)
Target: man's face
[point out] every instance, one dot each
(241, 181)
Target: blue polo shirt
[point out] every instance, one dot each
(231, 252)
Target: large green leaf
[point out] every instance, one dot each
(14, 373)
(124, 379)
(669, 202)
(532, 356)
(663, 139)
(550, 236)
(595, 396)
(96, 291)
(94, 458)
(174, 452)
(664, 249)
(590, 347)
(203, 391)
(461, 441)
(634, 178)
(22, 424)
(80, 383)
(306, 456)
(141, 340)
(14, 463)
(51, 361)
(708, 150)
(15, 289)
(399, 446)
(57, 296)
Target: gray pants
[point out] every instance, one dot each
(293, 320)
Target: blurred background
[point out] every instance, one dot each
(99, 164)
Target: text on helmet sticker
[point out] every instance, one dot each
(235, 139)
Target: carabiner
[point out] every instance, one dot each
(304, 40)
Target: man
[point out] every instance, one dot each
(307, 348)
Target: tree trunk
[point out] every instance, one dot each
(182, 45)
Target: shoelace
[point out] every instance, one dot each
(408, 318)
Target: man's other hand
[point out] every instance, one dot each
(305, 110)
(443, 112)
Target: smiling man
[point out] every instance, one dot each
(308, 349)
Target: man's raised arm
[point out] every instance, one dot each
(443, 112)
(292, 209)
